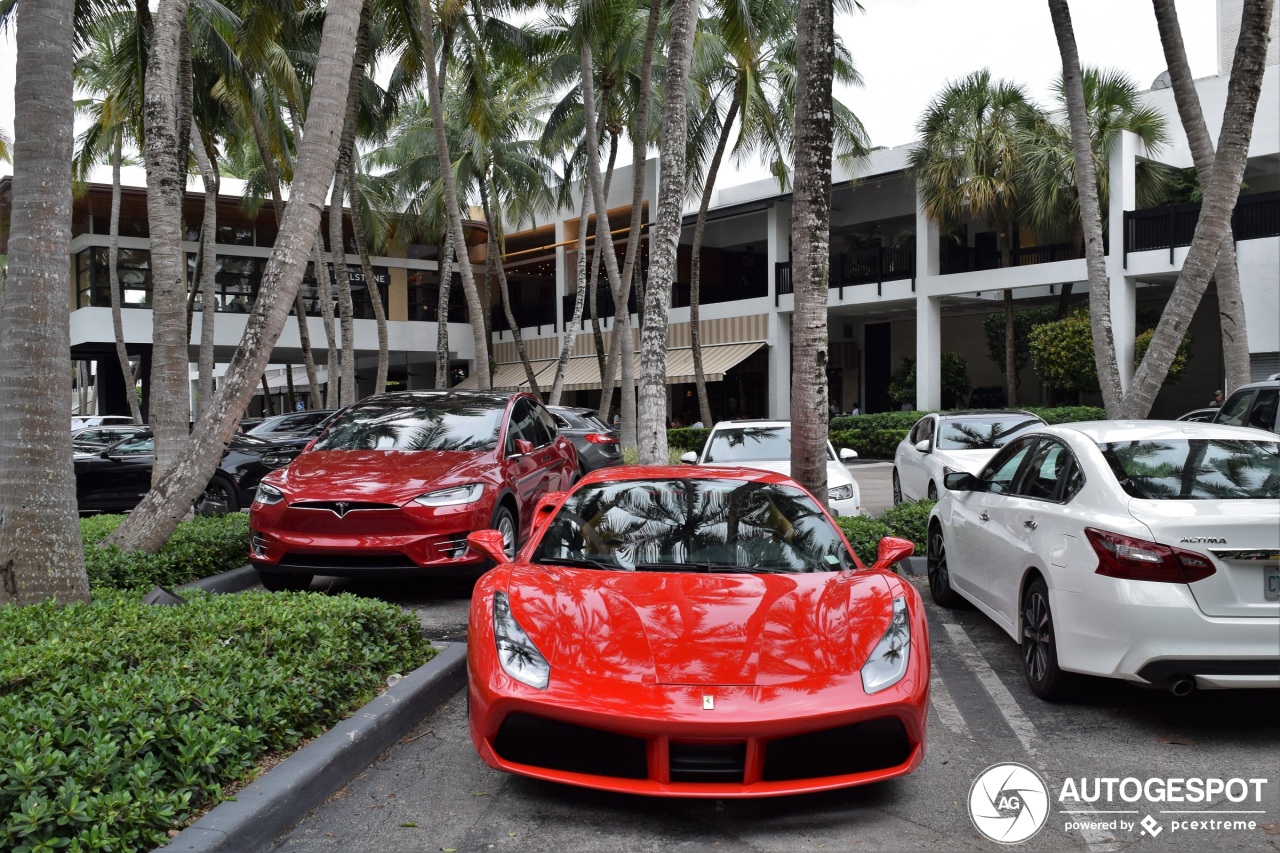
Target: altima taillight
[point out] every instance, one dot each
(1140, 560)
(600, 438)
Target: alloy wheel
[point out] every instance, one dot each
(1037, 636)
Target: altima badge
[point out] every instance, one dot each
(708, 703)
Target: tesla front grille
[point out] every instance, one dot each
(319, 562)
(860, 748)
(555, 745)
(341, 508)
(708, 762)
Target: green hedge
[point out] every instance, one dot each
(201, 547)
(687, 438)
(877, 436)
(907, 521)
(121, 720)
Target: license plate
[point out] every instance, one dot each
(1271, 582)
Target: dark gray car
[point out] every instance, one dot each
(596, 443)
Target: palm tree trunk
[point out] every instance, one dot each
(41, 554)
(571, 327)
(315, 400)
(333, 368)
(206, 272)
(695, 274)
(810, 238)
(651, 431)
(113, 281)
(155, 518)
(445, 272)
(170, 413)
(366, 266)
(1231, 314)
(455, 212)
(497, 249)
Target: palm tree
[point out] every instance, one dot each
(1220, 197)
(1235, 334)
(968, 163)
(155, 518)
(810, 240)
(41, 554)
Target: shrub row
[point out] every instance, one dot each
(201, 547)
(877, 436)
(123, 720)
(906, 521)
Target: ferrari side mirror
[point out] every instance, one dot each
(893, 550)
(489, 543)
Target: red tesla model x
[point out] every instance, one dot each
(397, 481)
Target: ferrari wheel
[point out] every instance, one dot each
(284, 582)
(936, 562)
(897, 488)
(1040, 648)
(505, 523)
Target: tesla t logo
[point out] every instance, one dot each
(340, 508)
(708, 703)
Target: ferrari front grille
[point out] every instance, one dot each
(555, 745)
(708, 762)
(860, 748)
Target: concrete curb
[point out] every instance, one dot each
(274, 804)
(236, 580)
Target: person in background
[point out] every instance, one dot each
(856, 410)
(1217, 398)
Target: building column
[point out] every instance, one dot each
(779, 370)
(1124, 299)
(928, 313)
(928, 352)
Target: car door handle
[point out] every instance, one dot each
(984, 516)
(1030, 524)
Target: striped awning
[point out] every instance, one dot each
(582, 373)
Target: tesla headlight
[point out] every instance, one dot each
(518, 655)
(452, 497)
(840, 493)
(888, 661)
(268, 495)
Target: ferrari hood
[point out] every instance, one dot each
(383, 476)
(701, 629)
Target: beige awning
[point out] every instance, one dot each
(511, 376)
(583, 372)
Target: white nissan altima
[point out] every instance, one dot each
(1147, 551)
(767, 445)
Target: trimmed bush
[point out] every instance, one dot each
(687, 438)
(864, 535)
(1069, 414)
(910, 521)
(201, 547)
(122, 720)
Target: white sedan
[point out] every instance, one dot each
(767, 445)
(1147, 551)
(945, 442)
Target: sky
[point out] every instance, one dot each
(908, 50)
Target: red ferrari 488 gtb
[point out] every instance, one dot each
(695, 632)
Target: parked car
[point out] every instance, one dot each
(1147, 551)
(695, 632)
(943, 442)
(767, 445)
(397, 481)
(91, 438)
(1202, 416)
(116, 479)
(83, 421)
(1252, 405)
(290, 424)
(596, 443)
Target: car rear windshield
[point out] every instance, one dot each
(980, 433)
(1196, 469)
(444, 425)
(693, 525)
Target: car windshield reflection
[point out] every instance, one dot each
(751, 444)
(693, 525)
(455, 425)
(980, 434)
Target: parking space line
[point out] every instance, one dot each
(945, 707)
(1008, 706)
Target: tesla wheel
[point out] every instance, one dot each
(1040, 647)
(218, 498)
(933, 491)
(936, 563)
(284, 581)
(897, 488)
(505, 523)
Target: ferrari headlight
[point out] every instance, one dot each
(840, 493)
(456, 496)
(268, 495)
(888, 661)
(518, 655)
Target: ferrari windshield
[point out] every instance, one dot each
(980, 434)
(1196, 469)
(693, 525)
(440, 425)
(751, 444)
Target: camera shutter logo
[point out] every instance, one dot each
(1008, 803)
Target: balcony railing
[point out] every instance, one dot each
(850, 269)
(1170, 227)
(958, 259)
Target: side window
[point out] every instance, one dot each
(1000, 471)
(522, 425)
(1233, 411)
(926, 430)
(1263, 415)
(1045, 467)
(914, 436)
(561, 423)
(1073, 481)
(545, 427)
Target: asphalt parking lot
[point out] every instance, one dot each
(430, 792)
